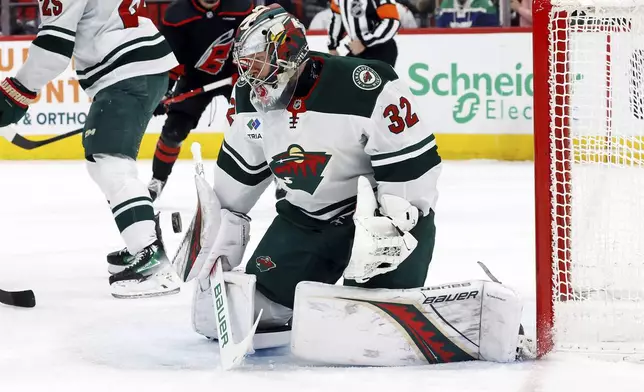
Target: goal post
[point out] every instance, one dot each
(589, 175)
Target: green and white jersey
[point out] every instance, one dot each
(108, 39)
(359, 119)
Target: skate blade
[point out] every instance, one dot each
(146, 295)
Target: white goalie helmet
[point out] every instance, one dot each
(270, 46)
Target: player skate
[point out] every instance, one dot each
(155, 186)
(149, 275)
(119, 260)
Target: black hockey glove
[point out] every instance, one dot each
(14, 102)
(162, 108)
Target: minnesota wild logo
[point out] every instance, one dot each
(264, 263)
(299, 169)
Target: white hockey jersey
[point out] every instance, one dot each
(108, 39)
(358, 119)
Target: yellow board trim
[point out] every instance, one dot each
(450, 146)
(485, 146)
(72, 147)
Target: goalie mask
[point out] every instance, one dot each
(270, 46)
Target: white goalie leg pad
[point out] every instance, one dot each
(197, 243)
(474, 320)
(245, 304)
(233, 236)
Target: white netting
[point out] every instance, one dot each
(597, 59)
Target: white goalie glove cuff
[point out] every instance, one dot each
(231, 241)
(402, 214)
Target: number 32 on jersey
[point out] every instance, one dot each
(400, 121)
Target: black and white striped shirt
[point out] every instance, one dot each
(372, 22)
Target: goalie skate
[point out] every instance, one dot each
(150, 275)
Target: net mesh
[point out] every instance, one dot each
(597, 152)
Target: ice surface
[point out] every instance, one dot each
(56, 229)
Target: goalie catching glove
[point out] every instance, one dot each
(15, 102)
(382, 240)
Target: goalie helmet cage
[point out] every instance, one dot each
(589, 175)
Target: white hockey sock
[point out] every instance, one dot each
(129, 198)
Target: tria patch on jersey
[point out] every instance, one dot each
(299, 169)
(253, 132)
(366, 78)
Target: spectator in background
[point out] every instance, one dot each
(524, 9)
(322, 20)
(467, 13)
(424, 11)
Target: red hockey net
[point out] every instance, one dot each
(589, 172)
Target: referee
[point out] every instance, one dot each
(370, 24)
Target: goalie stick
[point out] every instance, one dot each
(231, 354)
(18, 140)
(22, 299)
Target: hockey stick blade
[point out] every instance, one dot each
(22, 299)
(231, 354)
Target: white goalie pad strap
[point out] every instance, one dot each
(245, 303)
(197, 243)
(377, 327)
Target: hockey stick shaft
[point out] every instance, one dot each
(488, 272)
(198, 91)
(18, 140)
